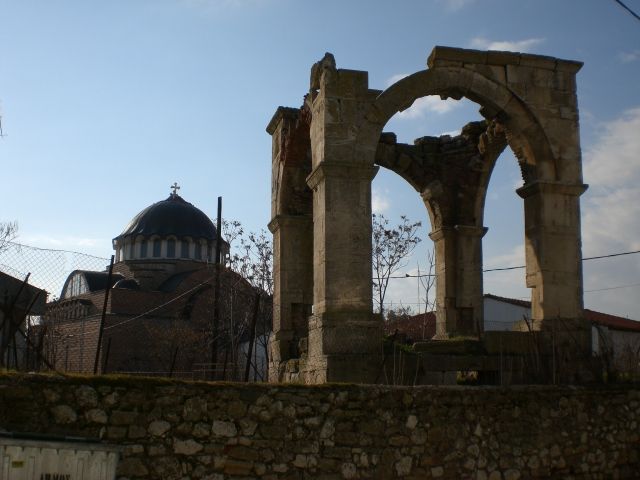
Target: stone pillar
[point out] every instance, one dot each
(292, 229)
(345, 339)
(293, 287)
(553, 251)
(469, 300)
(444, 239)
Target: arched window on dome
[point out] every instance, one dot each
(131, 250)
(184, 248)
(198, 252)
(171, 248)
(157, 247)
(143, 249)
(76, 285)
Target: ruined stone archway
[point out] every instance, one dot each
(532, 99)
(529, 102)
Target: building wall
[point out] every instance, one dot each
(179, 430)
(623, 346)
(502, 316)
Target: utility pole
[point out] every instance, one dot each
(216, 293)
(96, 363)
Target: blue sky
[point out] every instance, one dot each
(105, 104)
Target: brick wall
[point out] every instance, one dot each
(178, 430)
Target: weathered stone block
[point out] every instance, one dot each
(64, 414)
(223, 429)
(132, 467)
(158, 428)
(186, 447)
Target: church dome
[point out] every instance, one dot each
(173, 216)
(169, 230)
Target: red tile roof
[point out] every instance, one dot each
(513, 301)
(413, 328)
(423, 326)
(604, 319)
(612, 321)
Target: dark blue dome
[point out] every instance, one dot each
(173, 216)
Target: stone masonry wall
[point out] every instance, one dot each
(178, 430)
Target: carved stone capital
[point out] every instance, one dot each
(339, 170)
(288, 220)
(471, 230)
(536, 188)
(441, 233)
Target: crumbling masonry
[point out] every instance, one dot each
(325, 155)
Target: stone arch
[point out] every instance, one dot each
(526, 136)
(532, 100)
(451, 175)
(529, 102)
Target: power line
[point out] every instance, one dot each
(613, 288)
(129, 320)
(634, 14)
(583, 259)
(502, 269)
(612, 255)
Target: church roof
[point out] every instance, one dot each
(87, 281)
(173, 216)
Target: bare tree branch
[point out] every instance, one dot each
(8, 232)
(390, 249)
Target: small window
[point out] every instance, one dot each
(132, 250)
(171, 248)
(157, 245)
(184, 249)
(198, 251)
(143, 249)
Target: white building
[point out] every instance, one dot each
(616, 337)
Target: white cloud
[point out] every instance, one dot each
(396, 78)
(455, 5)
(379, 202)
(452, 133)
(512, 258)
(508, 45)
(423, 106)
(426, 105)
(629, 57)
(612, 162)
(611, 215)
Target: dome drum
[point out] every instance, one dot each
(172, 229)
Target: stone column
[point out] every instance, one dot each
(293, 287)
(292, 229)
(553, 250)
(344, 337)
(444, 239)
(469, 300)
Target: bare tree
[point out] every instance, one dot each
(427, 281)
(391, 247)
(252, 257)
(8, 232)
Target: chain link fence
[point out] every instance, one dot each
(48, 268)
(166, 323)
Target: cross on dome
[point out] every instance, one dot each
(175, 188)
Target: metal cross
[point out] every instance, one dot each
(175, 187)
